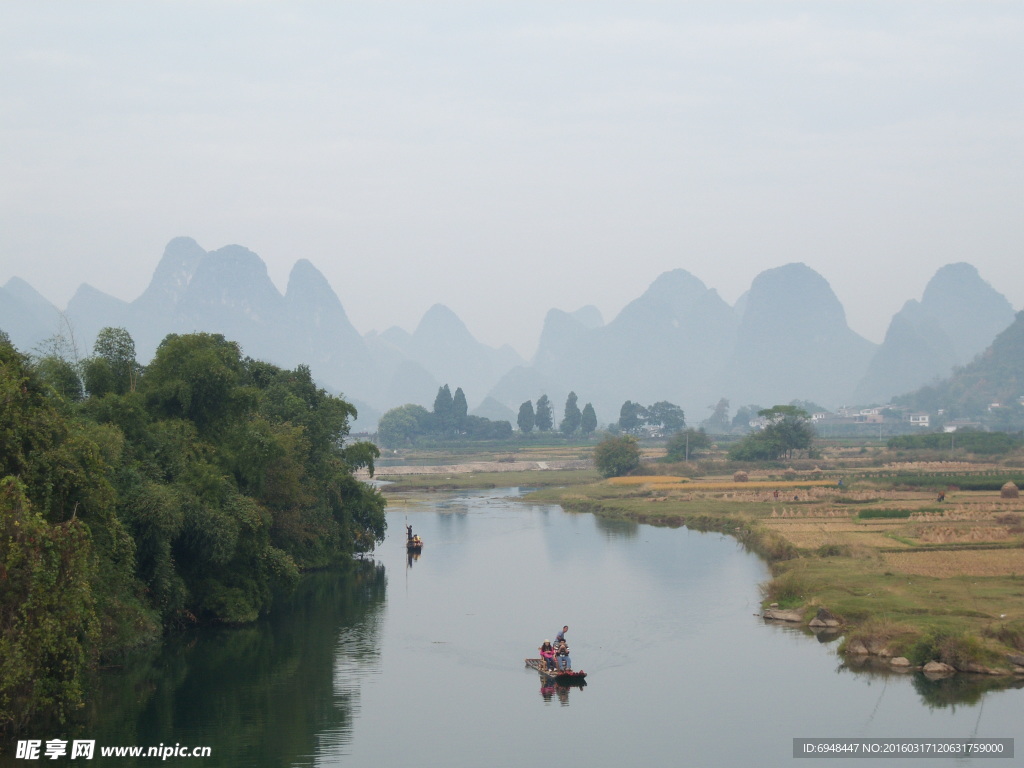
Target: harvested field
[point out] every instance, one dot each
(980, 511)
(948, 534)
(937, 466)
(646, 480)
(810, 535)
(990, 562)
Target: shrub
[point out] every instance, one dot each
(953, 648)
(1011, 634)
(789, 589)
(617, 455)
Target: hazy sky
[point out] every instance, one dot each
(506, 158)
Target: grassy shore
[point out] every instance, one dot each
(468, 480)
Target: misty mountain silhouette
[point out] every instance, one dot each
(793, 342)
(957, 317)
(679, 341)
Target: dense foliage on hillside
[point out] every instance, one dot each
(193, 490)
(989, 389)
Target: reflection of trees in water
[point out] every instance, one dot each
(937, 693)
(258, 695)
(617, 529)
(960, 689)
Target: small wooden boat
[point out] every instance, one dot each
(562, 677)
(414, 544)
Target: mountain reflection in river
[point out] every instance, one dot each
(426, 666)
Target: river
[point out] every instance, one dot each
(421, 662)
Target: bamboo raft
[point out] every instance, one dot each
(562, 677)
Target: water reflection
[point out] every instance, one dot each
(617, 529)
(257, 695)
(939, 693)
(554, 692)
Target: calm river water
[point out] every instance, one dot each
(422, 663)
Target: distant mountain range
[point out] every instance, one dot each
(786, 338)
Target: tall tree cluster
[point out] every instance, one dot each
(449, 420)
(192, 490)
(663, 415)
(574, 421)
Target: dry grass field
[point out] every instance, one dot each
(961, 562)
(965, 529)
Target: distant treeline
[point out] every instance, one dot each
(133, 500)
(449, 420)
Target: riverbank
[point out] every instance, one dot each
(863, 542)
(906, 579)
(499, 473)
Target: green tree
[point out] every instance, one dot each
(788, 431)
(718, 422)
(791, 427)
(572, 417)
(112, 367)
(64, 473)
(526, 418)
(744, 415)
(401, 426)
(60, 375)
(544, 418)
(668, 416)
(632, 416)
(48, 622)
(57, 363)
(617, 455)
(197, 377)
(588, 420)
(686, 444)
(444, 409)
(460, 409)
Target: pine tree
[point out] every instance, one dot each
(544, 418)
(460, 409)
(588, 419)
(444, 408)
(526, 419)
(572, 416)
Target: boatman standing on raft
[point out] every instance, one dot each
(560, 637)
